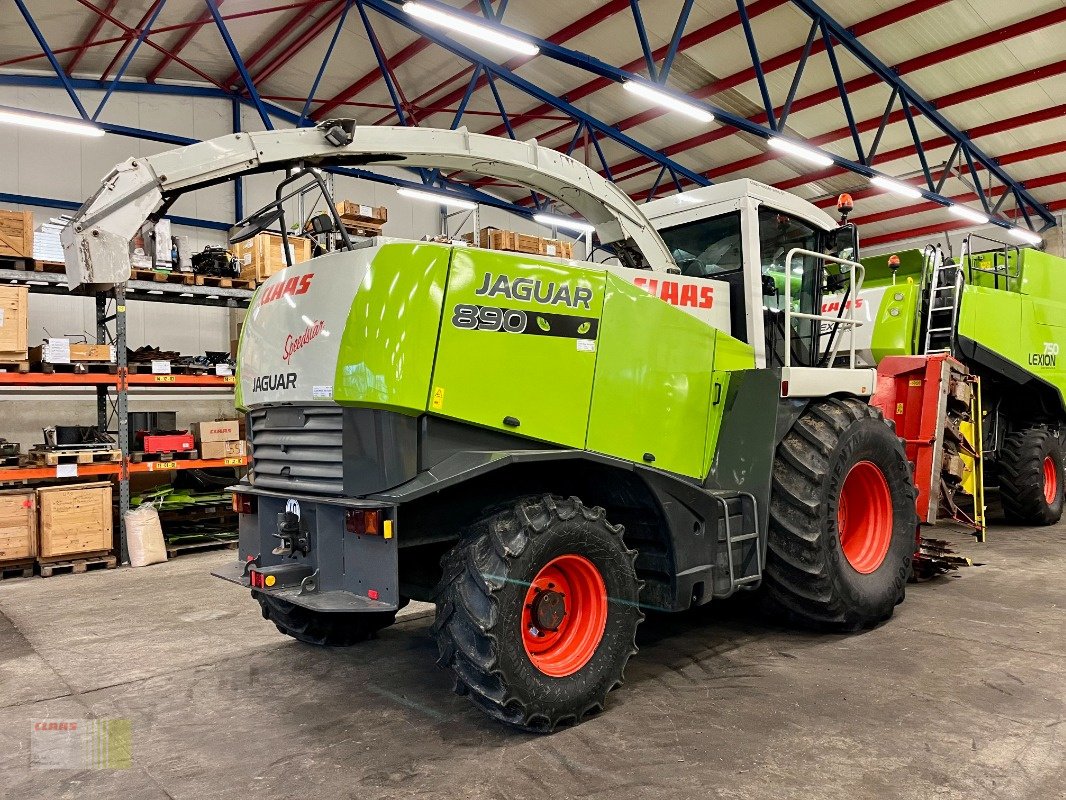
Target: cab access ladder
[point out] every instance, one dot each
(943, 293)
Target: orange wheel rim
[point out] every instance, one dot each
(1051, 480)
(864, 517)
(564, 615)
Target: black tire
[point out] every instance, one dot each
(335, 629)
(1022, 481)
(808, 572)
(481, 611)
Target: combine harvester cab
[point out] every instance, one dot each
(542, 447)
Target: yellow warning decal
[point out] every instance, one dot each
(388, 529)
(916, 382)
(899, 408)
(438, 398)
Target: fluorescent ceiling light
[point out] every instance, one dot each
(799, 151)
(553, 221)
(668, 100)
(467, 27)
(436, 197)
(1025, 236)
(896, 187)
(48, 123)
(969, 214)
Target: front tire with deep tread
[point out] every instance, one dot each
(1021, 477)
(807, 571)
(481, 600)
(335, 629)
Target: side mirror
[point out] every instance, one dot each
(769, 286)
(843, 242)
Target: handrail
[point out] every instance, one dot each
(850, 322)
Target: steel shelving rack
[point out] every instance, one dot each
(113, 390)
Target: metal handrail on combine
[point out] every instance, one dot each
(849, 322)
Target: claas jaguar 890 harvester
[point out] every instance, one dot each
(545, 448)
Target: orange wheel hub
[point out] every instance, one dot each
(1051, 480)
(864, 517)
(564, 615)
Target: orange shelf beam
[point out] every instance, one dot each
(187, 463)
(16, 474)
(101, 379)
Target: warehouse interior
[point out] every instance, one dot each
(687, 556)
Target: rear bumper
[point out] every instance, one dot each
(339, 572)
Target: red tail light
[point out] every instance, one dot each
(244, 503)
(362, 521)
(256, 579)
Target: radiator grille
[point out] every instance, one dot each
(298, 449)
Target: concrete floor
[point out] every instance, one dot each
(961, 695)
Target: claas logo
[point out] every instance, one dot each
(678, 294)
(290, 288)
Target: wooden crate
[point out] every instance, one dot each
(16, 234)
(14, 322)
(362, 216)
(262, 256)
(18, 525)
(74, 519)
(497, 239)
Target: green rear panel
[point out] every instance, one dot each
(386, 353)
(895, 327)
(518, 341)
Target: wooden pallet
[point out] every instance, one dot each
(55, 267)
(177, 548)
(176, 455)
(75, 566)
(161, 276)
(78, 367)
(17, 262)
(361, 229)
(15, 366)
(224, 283)
(51, 458)
(21, 568)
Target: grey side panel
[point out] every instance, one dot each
(297, 448)
(380, 450)
(441, 439)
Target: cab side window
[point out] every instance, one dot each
(711, 248)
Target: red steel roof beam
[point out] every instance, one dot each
(374, 75)
(186, 37)
(134, 32)
(576, 28)
(937, 230)
(86, 43)
(990, 39)
(290, 51)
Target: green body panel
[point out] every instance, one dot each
(653, 382)
(1027, 331)
(540, 377)
(877, 272)
(387, 349)
(897, 320)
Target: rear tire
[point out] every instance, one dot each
(334, 629)
(842, 517)
(537, 612)
(1031, 477)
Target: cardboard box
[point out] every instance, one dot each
(74, 520)
(18, 525)
(262, 256)
(360, 215)
(16, 234)
(225, 430)
(63, 351)
(14, 322)
(231, 449)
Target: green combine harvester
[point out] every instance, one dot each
(546, 448)
(997, 310)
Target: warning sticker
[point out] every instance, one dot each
(322, 392)
(437, 402)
